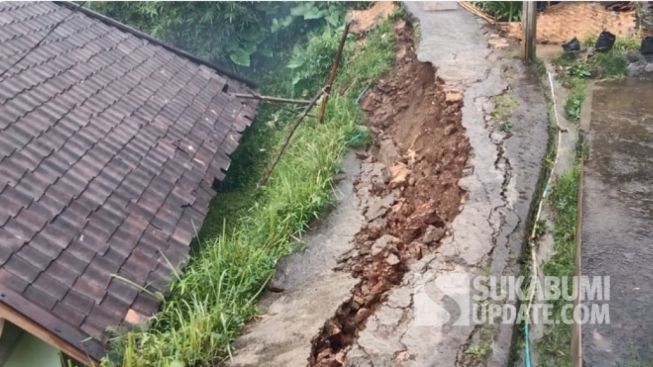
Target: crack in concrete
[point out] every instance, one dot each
(497, 183)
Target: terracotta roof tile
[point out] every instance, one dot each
(109, 145)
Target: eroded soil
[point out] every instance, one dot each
(407, 187)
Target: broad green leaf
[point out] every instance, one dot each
(295, 63)
(240, 57)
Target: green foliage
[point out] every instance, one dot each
(609, 64)
(580, 71)
(579, 67)
(630, 43)
(310, 63)
(627, 43)
(250, 229)
(590, 40)
(554, 346)
(565, 59)
(504, 11)
(575, 99)
(243, 36)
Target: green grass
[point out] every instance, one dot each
(622, 44)
(611, 64)
(554, 347)
(248, 230)
(504, 106)
(575, 98)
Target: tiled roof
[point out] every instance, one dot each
(109, 146)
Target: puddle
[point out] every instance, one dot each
(617, 230)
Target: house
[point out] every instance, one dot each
(110, 143)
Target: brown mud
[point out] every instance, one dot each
(408, 187)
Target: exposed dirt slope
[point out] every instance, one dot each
(561, 22)
(408, 188)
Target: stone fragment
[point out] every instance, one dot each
(635, 69)
(388, 153)
(649, 67)
(452, 96)
(378, 208)
(382, 243)
(433, 234)
(399, 175)
(392, 260)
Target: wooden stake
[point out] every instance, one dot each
(293, 127)
(529, 16)
(332, 74)
(272, 99)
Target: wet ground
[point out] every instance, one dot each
(617, 234)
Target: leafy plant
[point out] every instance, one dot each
(505, 11)
(575, 99)
(243, 36)
(580, 71)
(505, 126)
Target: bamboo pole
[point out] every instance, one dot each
(293, 127)
(272, 99)
(476, 11)
(332, 74)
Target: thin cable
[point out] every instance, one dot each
(38, 44)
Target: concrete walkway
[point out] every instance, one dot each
(617, 234)
(421, 323)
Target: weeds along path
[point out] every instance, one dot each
(407, 189)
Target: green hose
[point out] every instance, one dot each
(527, 346)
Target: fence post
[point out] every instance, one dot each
(529, 31)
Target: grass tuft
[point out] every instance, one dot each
(553, 348)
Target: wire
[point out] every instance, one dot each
(38, 44)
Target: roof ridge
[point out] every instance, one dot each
(124, 27)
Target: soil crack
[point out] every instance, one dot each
(408, 187)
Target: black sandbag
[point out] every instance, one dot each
(647, 46)
(571, 45)
(605, 41)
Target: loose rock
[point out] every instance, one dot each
(382, 243)
(433, 234)
(392, 260)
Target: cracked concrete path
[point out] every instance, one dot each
(420, 323)
(312, 289)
